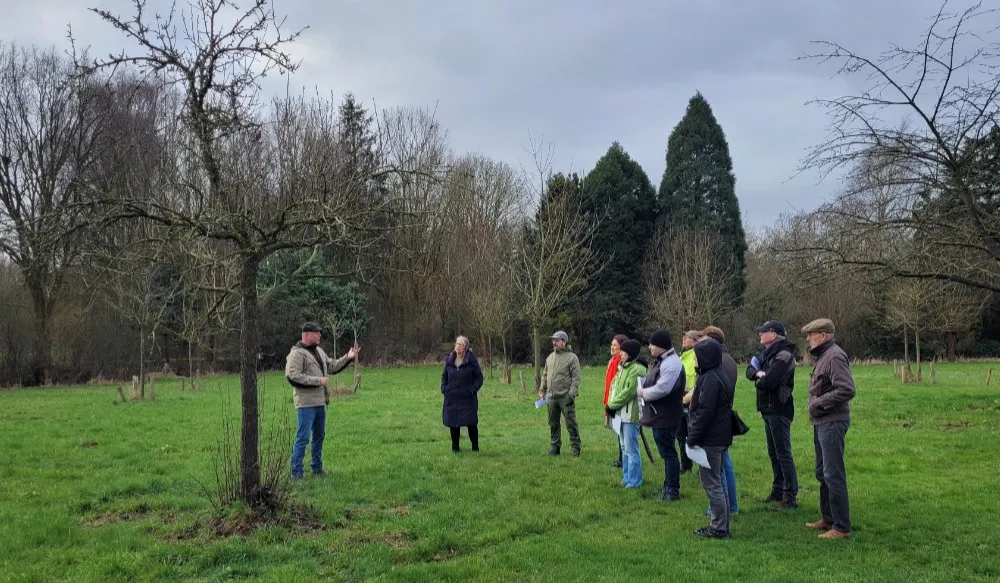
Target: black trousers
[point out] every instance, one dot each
(456, 432)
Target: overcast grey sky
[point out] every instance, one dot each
(578, 73)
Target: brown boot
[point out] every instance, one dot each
(819, 525)
(835, 534)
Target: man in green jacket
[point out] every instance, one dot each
(306, 369)
(561, 385)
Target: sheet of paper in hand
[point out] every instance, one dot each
(697, 455)
(541, 403)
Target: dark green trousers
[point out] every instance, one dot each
(565, 406)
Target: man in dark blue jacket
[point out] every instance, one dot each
(773, 374)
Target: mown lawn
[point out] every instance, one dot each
(398, 506)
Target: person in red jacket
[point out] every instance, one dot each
(616, 350)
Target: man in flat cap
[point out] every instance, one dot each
(306, 369)
(831, 389)
(773, 375)
(561, 385)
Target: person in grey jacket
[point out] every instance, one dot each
(661, 393)
(306, 369)
(831, 388)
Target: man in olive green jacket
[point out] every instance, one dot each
(561, 385)
(306, 369)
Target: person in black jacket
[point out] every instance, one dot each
(460, 383)
(710, 427)
(773, 374)
(661, 394)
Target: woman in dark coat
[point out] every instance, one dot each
(460, 383)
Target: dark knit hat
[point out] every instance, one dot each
(662, 339)
(631, 348)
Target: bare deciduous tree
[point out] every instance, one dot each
(254, 182)
(686, 283)
(49, 137)
(553, 260)
(943, 196)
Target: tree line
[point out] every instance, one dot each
(158, 211)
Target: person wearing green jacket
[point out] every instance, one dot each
(687, 359)
(560, 386)
(624, 404)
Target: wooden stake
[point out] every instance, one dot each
(933, 375)
(135, 387)
(152, 387)
(989, 375)
(524, 389)
(182, 383)
(121, 393)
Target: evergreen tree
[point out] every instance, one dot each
(699, 189)
(619, 196)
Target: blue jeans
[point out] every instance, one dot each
(728, 484)
(665, 439)
(631, 462)
(311, 420)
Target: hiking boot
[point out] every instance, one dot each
(773, 497)
(712, 533)
(575, 453)
(616, 464)
(787, 504)
(296, 477)
(819, 525)
(835, 534)
(669, 496)
(553, 451)
(319, 474)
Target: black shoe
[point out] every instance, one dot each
(787, 504)
(773, 497)
(670, 496)
(319, 474)
(554, 451)
(476, 448)
(296, 477)
(575, 453)
(712, 533)
(616, 464)
(456, 451)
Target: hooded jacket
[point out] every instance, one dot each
(460, 386)
(623, 397)
(711, 411)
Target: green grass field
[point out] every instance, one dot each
(399, 506)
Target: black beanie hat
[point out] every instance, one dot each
(631, 348)
(662, 339)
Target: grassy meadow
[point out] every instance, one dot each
(93, 489)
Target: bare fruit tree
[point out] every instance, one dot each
(254, 180)
(943, 176)
(553, 260)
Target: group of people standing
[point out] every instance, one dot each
(685, 399)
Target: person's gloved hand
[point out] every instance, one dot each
(609, 411)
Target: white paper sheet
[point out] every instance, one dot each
(541, 403)
(697, 455)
